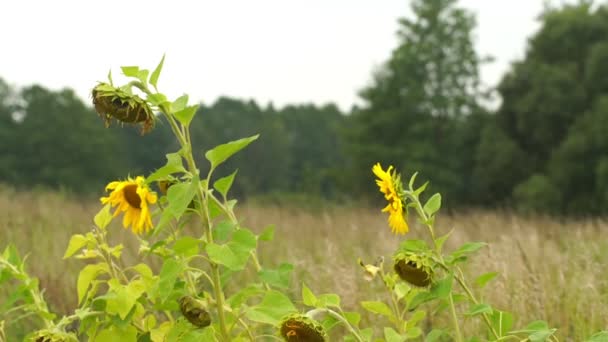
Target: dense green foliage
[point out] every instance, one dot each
(543, 148)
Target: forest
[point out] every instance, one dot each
(536, 142)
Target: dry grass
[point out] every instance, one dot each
(549, 269)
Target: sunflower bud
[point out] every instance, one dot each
(194, 311)
(116, 103)
(301, 328)
(416, 269)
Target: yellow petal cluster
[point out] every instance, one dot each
(132, 197)
(394, 208)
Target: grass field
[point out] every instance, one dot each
(549, 269)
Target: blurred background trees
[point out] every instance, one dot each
(541, 147)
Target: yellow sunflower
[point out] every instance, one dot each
(132, 196)
(387, 184)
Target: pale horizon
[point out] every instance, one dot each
(270, 51)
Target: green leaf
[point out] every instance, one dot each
(267, 233)
(420, 298)
(235, 253)
(466, 249)
(86, 276)
(412, 180)
(434, 335)
(601, 336)
(180, 195)
(442, 288)
(279, 277)
(156, 72)
(390, 335)
(308, 298)
(485, 278)
(142, 75)
(421, 189)
(223, 184)
(479, 309)
(240, 297)
(378, 308)
(329, 300)
(120, 299)
(272, 309)
(103, 217)
(416, 317)
(433, 204)
(186, 246)
(223, 230)
(168, 275)
(440, 241)
(414, 246)
(179, 103)
(413, 333)
(501, 321)
(367, 334)
(401, 289)
(185, 115)
(77, 241)
(541, 335)
(158, 99)
(220, 153)
(130, 71)
(114, 334)
(353, 318)
(174, 164)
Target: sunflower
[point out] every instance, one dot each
(388, 182)
(298, 327)
(132, 196)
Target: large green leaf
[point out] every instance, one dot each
(114, 334)
(120, 299)
(167, 277)
(174, 165)
(185, 115)
(272, 309)
(236, 252)
(220, 153)
(77, 241)
(433, 204)
(378, 308)
(86, 276)
(223, 184)
(277, 277)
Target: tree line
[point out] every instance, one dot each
(543, 149)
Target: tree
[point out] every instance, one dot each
(419, 100)
(553, 113)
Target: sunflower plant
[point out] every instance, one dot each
(193, 250)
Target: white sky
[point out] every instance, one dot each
(270, 50)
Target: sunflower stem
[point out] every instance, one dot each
(203, 199)
(425, 218)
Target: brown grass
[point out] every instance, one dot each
(549, 269)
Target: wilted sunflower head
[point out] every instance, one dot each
(414, 268)
(301, 328)
(132, 197)
(117, 103)
(194, 311)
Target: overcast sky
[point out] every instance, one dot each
(270, 50)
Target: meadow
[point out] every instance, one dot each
(549, 269)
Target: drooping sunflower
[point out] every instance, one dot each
(132, 197)
(387, 182)
(301, 328)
